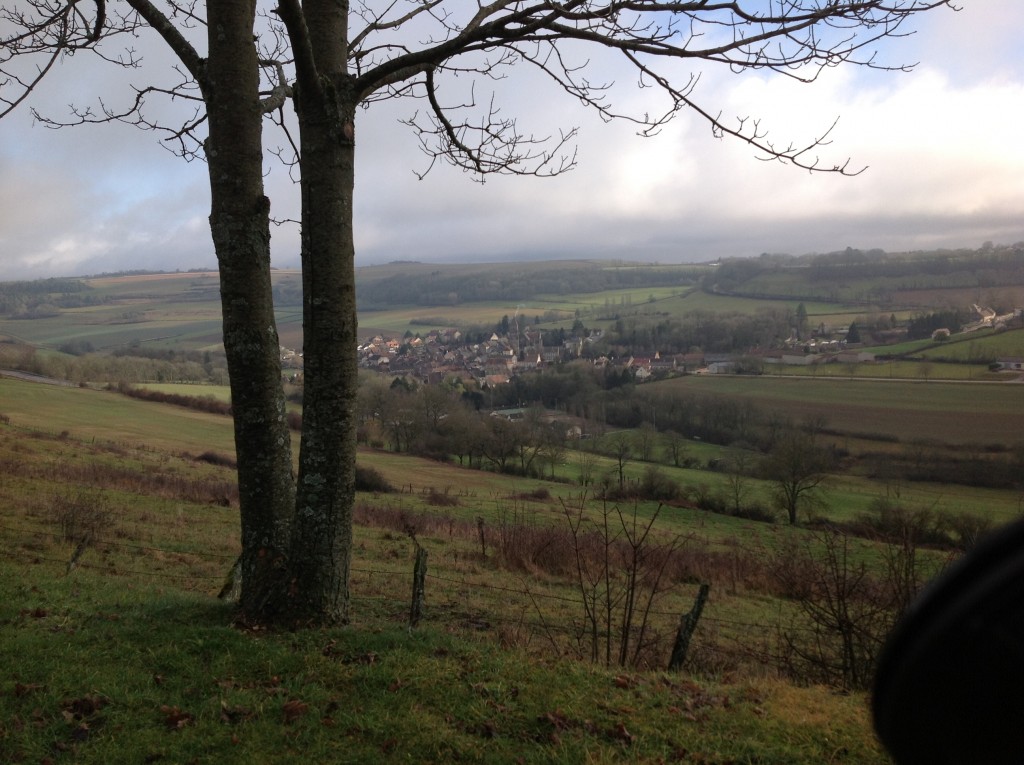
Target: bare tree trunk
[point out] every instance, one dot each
(239, 221)
(325, 105)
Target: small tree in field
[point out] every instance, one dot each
(797, 467)
(307, 67)
(676, 447)
(620, 447)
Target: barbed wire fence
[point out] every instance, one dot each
(522, 613)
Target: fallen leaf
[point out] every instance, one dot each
(293, 710)
(622, 734)
(24, 689)
(234, 715)
(175, 718)
(557, 719)
(82, 707)
(624, 681)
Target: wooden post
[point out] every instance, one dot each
(687, 624)
(483, 535)
(419, 574)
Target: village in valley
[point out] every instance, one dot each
(445, 355)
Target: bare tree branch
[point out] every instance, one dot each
(412, 48)
(795, 38)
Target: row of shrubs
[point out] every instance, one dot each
(208, 404)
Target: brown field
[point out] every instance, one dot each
(945, 412)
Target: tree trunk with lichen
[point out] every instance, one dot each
(240, 224)
(321, 539)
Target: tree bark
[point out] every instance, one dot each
(239, 221)
(325, 105)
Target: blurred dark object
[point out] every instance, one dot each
(950, 681)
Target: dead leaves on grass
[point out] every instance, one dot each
(175, 718)
(292, 710)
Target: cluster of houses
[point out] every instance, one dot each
(444, 354)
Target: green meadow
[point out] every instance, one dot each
(118, 650)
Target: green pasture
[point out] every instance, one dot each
(646, 301)
(135, 634)
(86, 414)
(169, 317)
(423, 319)
(983, 344)
(844, 497)
(622, 299)
(830, 313)
(788, 282)
(908, 348)
(113, 669)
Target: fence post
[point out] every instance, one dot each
(687, 624)
(419, 574)
(483, 535)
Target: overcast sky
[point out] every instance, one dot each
(942, 147)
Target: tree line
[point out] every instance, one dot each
(422, 285)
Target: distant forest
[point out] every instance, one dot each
(871, 276)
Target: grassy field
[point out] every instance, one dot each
(84, 413)
(119, 651)
(183, 685)
(108, 416)
(982, 344)
(182, 311)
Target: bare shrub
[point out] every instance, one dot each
(524, 544)
(621, 573)
(540, 494)
(969, 528)
(655, 485)
(436, 498)
(83, 519)
(843, 609)
(402, 520)
(220, 460)
(371, 479)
